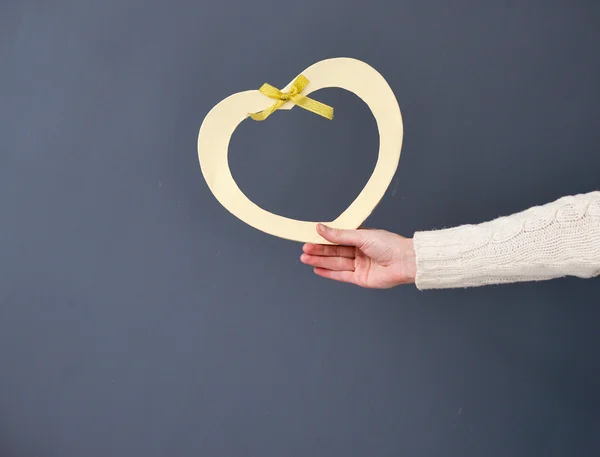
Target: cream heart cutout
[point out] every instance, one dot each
(345, 73)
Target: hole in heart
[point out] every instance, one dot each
(302, 166)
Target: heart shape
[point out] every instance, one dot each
(345, 73)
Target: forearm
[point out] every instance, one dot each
(559, 239)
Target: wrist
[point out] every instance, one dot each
(410, 261)
(405, 263)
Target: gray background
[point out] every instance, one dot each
(139, 318)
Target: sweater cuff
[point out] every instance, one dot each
(440, 257)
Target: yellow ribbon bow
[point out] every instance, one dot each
(294, 96)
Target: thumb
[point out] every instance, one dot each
(341, 236)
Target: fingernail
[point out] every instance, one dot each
(322, 227)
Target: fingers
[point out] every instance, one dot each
(330, 263)
(329, 251)
(342, 276)
(339, 236)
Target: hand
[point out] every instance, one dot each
(368, 258)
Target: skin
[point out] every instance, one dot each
(374, 259)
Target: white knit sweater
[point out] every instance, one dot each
(559, 239)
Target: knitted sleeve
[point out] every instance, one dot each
(558, 239)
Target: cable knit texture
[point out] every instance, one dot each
(559, 239)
